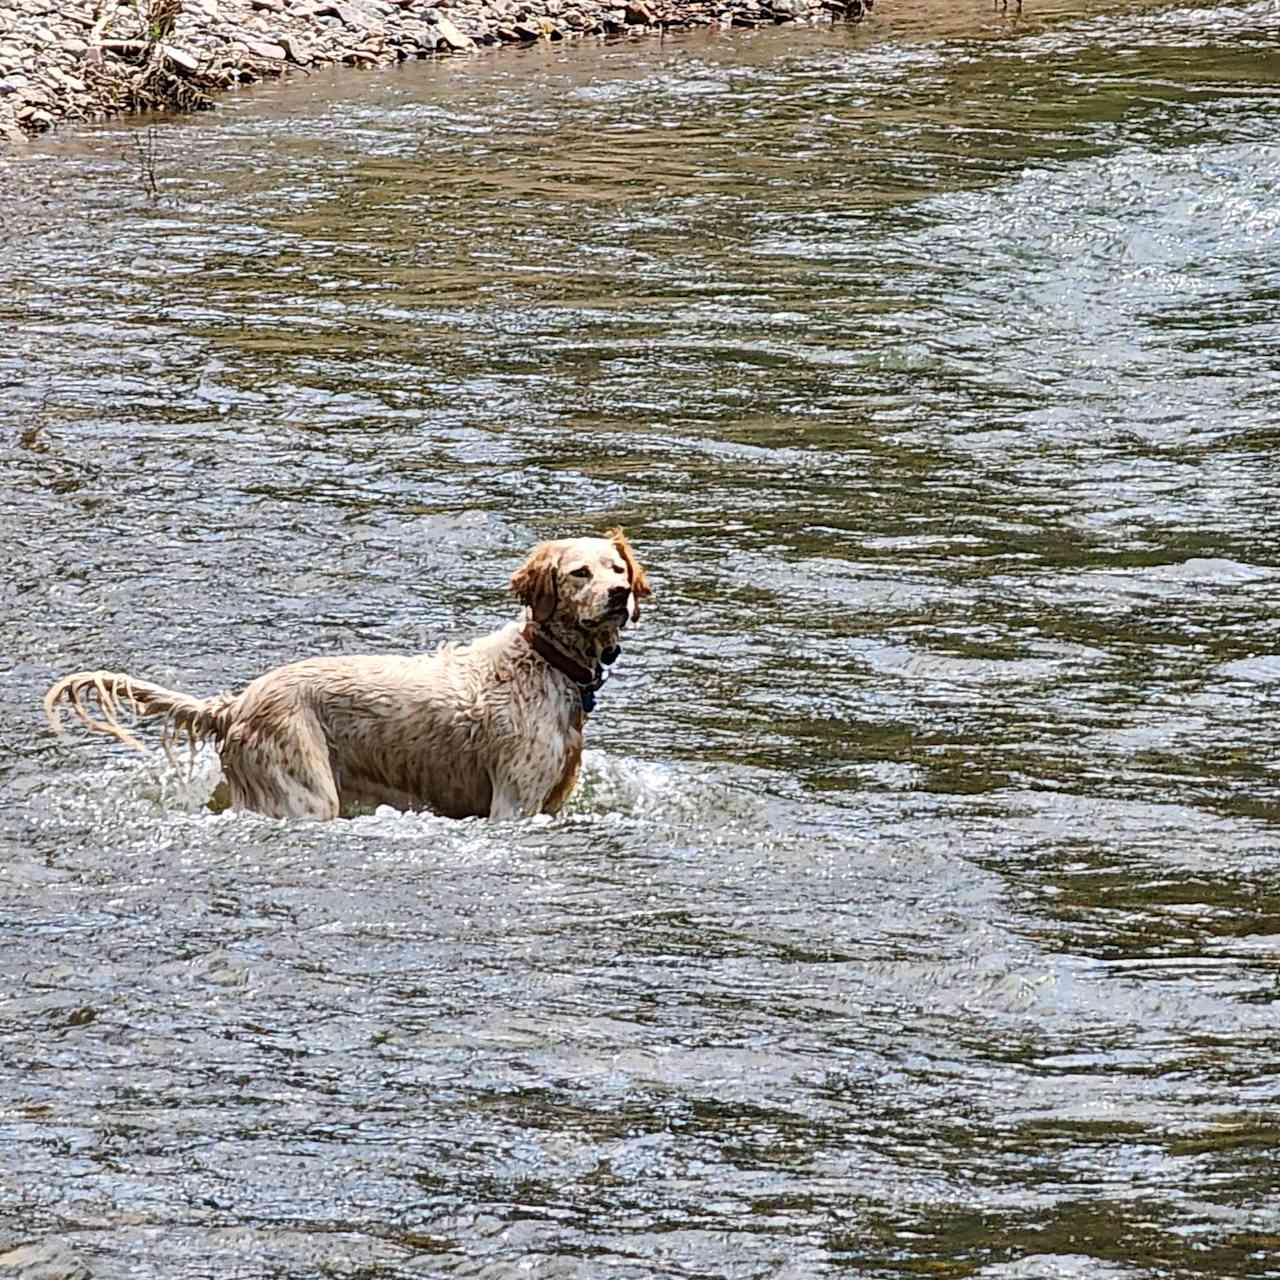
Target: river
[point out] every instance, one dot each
(919, 913)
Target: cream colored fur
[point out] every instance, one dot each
(488, 728)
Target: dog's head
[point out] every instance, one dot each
(593, 585)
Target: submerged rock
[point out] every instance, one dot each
(83, 62)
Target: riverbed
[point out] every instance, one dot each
(918, 913)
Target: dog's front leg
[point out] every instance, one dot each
(514, 797)
(506, 805)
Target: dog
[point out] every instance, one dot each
(492, 728)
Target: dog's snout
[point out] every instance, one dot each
(618, 595)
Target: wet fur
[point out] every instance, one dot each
(482, 729)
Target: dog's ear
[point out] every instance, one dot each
(635, 574)
(534, 582)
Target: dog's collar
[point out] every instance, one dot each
(587, 679)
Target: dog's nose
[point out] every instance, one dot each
(618, 595)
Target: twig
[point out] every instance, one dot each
(147, 163)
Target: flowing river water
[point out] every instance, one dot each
(920, 910)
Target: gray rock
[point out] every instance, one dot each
(47, 1260)
(181, 58)
(422, 36)
(296, 50)
(264, 49)
(451, 37)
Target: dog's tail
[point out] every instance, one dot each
(196, 719)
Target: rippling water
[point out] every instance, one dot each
(919, 913)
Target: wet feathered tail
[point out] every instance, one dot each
(194, 719)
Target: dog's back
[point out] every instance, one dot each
(412, 732)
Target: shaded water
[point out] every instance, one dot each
(919, 913)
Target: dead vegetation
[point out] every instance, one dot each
(147, 73)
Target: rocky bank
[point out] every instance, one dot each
(87, 59)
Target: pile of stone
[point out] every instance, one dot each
(87, 59)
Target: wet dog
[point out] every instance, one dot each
(490, 729)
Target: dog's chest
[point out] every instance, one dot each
(544, 750)
(568, 778)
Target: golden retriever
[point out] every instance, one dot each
(487, 729)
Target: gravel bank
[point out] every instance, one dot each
(88, 59)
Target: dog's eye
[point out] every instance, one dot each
(583, 572)
(619, 568)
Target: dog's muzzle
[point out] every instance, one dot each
(620, 602)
